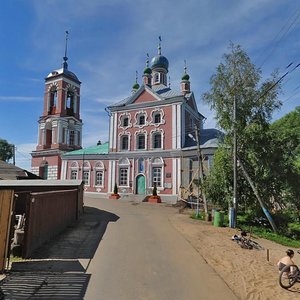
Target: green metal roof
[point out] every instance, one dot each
(98, 149)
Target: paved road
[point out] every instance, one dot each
(120, 250)
(141, 256)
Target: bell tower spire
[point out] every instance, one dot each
(65, 58)
(60, 126)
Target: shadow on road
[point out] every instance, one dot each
(55, 271)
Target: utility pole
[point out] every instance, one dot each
(14, 154)
(235, 200)
(200, 174)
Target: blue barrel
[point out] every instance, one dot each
(231, 217)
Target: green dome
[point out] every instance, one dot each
(185, 77)
(136, 86)
(147, 71)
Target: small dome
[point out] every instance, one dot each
(147, 71)
(159, 61)
(136, 86)
(185, 77)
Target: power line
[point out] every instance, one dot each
(296, 16)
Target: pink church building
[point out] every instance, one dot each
(151, 137)
(151, 140)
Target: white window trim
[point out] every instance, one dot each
(152, 133)
(74, 167)
(121, 134)
(136, 117)
(87, 169)
(137, 133)
(159, 165)
(124, 163)
(162, 117)
(99, 167)
(121, 117)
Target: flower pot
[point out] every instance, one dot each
(114, 196)
(154, 199)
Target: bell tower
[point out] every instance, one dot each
(60, 126)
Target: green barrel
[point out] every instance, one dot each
(218, 219)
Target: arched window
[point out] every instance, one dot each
(70, 102)
(99, 174)
(86, 173)
(74, 170)
(124, 166)
(124, 142)
(157, 165)
(53, 100)
(48, 135)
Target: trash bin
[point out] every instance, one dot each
(213, 214)
(218, 218)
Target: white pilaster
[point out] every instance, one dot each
(178, 123)
(174, 175)
(174, 127)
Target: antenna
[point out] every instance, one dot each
(185, 66)
(147, 61)
(136, 76)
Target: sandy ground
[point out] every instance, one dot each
(247, 272)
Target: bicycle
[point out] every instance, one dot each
(289, 275)
(246, 243)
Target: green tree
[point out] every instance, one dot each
(286, 136)
(238, 79)
(6, 150)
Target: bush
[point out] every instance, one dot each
(115, 189)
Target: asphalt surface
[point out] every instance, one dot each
(120, 249)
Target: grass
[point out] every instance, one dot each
(271, 236)
(257, 231)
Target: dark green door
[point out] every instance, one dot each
(140, 185)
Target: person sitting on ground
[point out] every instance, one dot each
(286, 260)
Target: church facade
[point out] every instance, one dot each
(155, 135)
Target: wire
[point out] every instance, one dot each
(297, 15)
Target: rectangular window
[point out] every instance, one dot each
(156, 176)
(99, 178)
(141, 141)
(157, 141)
(74, 174)
(123, 176)
(124, 142)
(72, 138)
(86, 177)
(157, 118)
(125, 121)
(142, 120)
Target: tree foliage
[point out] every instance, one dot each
(238, 79)
(6, 150)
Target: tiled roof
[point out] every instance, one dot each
(98, 149)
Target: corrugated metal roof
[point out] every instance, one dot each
(165, 91)
(98, 149)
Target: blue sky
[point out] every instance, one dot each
(108, 43)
